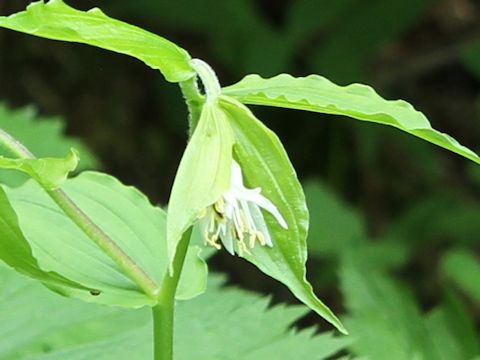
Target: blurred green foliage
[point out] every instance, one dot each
(404, 242)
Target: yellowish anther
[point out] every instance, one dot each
(219, 206)
(252, 239)
(261, 238)
(202, 213)
(212, 241)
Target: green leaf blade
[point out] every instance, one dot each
(125, 215)
(245, 327)
(318, 94)
(57, 21)
(266, 164)
(16, 252)
(50, 172)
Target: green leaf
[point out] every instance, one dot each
(462, 267)
(203, 174)
(224, 323)
(16, 252)
(265, 164)
(452, 328)
(50, 172)
(384, 319)
(334, 227)
(56, 20)
(28, 127)
(318, 94)
(125, 215)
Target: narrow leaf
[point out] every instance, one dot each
(203, 174)
(318, 94)
(265, 164)
(50, 172)
(58, 21)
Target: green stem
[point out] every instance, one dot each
(164, 311)
(194, 101)
(87, 225)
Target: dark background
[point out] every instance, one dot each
(423, 51)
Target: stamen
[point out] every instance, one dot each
(213, 241)
(202, 213)
(261, 238)
(253, 236)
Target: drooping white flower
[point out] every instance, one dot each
(236, 219)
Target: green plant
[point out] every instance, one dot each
(107, 244)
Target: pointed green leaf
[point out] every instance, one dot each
(318, 94)
(203, 174)
(125, 214)
(58, 21)
(50, 172)
(265, 164)
(16, 252)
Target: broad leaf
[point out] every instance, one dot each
(318, 94)
(28, 127)
(203, 174)
(124, 214)
(265, 164)
(16, 252)
(56, 20)
(224, 323)
(50, 172)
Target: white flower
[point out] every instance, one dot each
(236, 218)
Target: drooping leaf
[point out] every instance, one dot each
(28, 128)
(240, 21)
(318, 94)
(203, 174)
(223, 323)
(462, 267)
(265, 164)
(58, 21)
(50, 172)
(124, 214)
